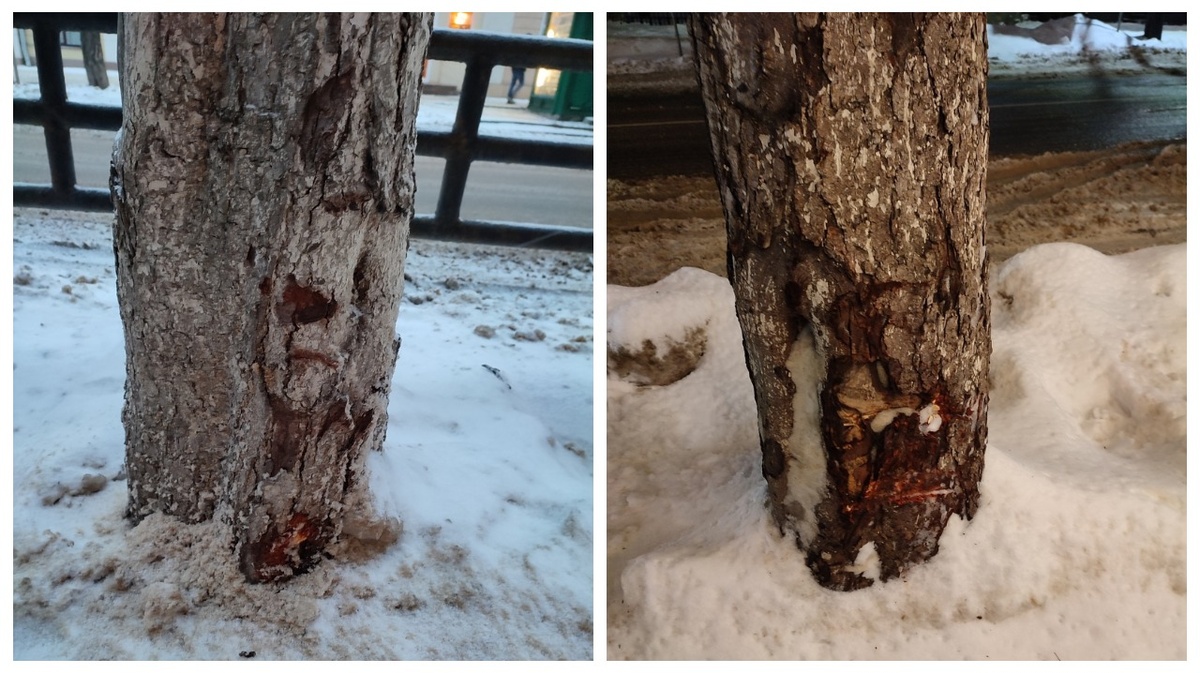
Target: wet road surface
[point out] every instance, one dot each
(667, 135)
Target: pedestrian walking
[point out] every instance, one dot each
(518, 81)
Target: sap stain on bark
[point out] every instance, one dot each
(302, 305)
(281, 554)
(308, 354)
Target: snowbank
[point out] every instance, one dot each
(1079, 547)
(1076, 44)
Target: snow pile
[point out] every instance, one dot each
(1078, 45)
(1072, 34)
(675, 476)
(1079, 547)
(487, 465)
(1120, 387)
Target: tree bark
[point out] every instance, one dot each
(93, 59)
(263, 182)
(851, 152)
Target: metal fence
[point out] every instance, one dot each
(650, 18)
(459, 147)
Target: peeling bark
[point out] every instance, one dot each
(851, 152)
(263, 182)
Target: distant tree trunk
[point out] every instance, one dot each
(93, 59)
(851, 152)
(263, 181)
(1154, 27)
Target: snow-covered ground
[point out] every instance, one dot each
(487, 465)
(1078, 550)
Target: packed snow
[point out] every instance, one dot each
(1078, 550)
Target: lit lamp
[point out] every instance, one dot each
(460, 19)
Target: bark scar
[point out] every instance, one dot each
(306, 354)
(322, 120)
(287, 550)
(302, 304)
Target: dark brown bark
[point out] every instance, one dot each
(93, 59)
(851, 152)
(263, 181)
(1154, 27)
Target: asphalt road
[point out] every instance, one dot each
(507, 192)
(668, 136)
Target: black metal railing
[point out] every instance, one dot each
(459, 147)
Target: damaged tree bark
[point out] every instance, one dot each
(851, 152)
(263, 182)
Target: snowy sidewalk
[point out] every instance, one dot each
(501, 119)
(436, 113)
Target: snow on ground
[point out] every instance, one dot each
(643, 57)
(1078, 550)
(1072, 45)
(487, 464)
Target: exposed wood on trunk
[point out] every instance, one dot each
(263, 181)
(851, 152)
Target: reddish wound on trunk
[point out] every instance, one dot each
(307, 305)
(284, 550)
(306, 354)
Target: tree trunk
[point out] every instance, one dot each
(93, 59)
(263, 181)
(1154, 26)
(851, 153)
